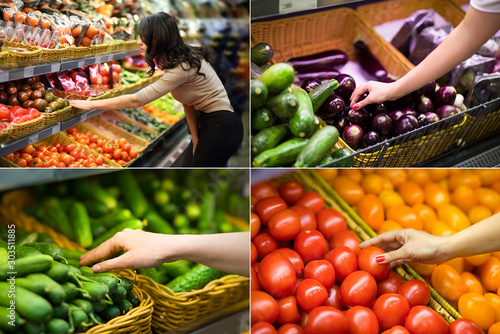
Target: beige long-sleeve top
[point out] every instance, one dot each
(203, 93)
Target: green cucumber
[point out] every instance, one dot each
(340, 154)
(283, 105)
(97, 229)
(262, 53)
(72, 253)
(277, 78)
(37, 287)
(319, 94)
(258, 93)
(199, 276)
(119, 215)
(176, 268)
(110, 312)
(70, 289)
(33, 328)
(133, 298)
(208, 202)
(55, 212)
(255, 71)
(78, 317)
(27, 238)
(125, 306)
(59, 272)
(55, 292)
(110, 281)
(26, 265)
(96, 290)
(317, 147)
(85, 305)
(95, 208)
(132, 193)
(58, 326)
(161, 197)
(269, 138)
(20, 251)
(316, 124)
(133, 224)
(262, 118)
(4, 255)
(327, 159)
(29, 305)
(156, 223)
(127, 283)
(119, 295)
(81, 224)
(61, 311)
(283, 155)
(86, 189)
(48, 249)
(100, 305)
(10, 321)
(302, 122)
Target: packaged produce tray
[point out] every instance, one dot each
(171, 310)
(312, 181)
(118, 116)
(144, 82)
(5, 133)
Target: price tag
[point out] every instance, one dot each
(4, 76)
(81, 63)
(289, 6)
(99, 59)
(56, 128)
(29, 71)
(55, 67)
(33, 139)
(83, 117)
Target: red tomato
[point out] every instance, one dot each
(417, 292)
(68, 148)
(267, 207)
(306, 216)
(344, 262)
(291, 192)
(396, 330)
(265, 244)
(263, 307)
(263, 190)
(424, 320)
(310, 245)
(310, 294)
(361, 320)
(276, 275)
(345, 238)
(253, 253)
(288, 310)
(326, 320)
(334, 298)
(295, 259)
(322, 271)
(464, 326)
(448, 282)
(390, 284)
(290, 329)
(284, 225)
(254, 225)
(367, 262)
(4, 114)
(254, 280)
(330, 221)
(263, 328)
(312, 201)
(391, 310)
(359, 288)
(303, 319)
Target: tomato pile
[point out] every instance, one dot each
(17, 114)
(56, 156)
(440, 202)
(309, 275)
(118, 150)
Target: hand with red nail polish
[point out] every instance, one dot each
(378, 92)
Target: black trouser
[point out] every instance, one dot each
(220, 133)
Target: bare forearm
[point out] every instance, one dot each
(192, 120)
(120, 102)
(476, 28)
(227, 252)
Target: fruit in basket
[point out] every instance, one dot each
(353, 136)
(23, 96)
(40, 104)
(261, 54)
(11, 90)
(445, 95)
(53, 105)
(12, 100)
(423, 319)
(404, 124)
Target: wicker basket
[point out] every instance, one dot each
(5, 133)
(386, 11)
(28, 127)
(108, 94)
(29, 57)
(49, 55)
(312, 181)
(57, 116)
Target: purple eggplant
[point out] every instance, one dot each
(309, 84)
(320, 73)
(379, 108)
(406, 100)
(395, 115)
(341, 123)
(331, 58)
(445, 95)
(368, 61)
(431, 117)
(371, 138)
(446, 111)
(360, 117)
(346, 86)
(405, 124)
(410, 111)
(353, 136)
(423, 105)
(382, 124)
(333, 107)
(422, 120)
(430, 89)
(368, 107)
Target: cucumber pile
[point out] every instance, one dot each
(283, 117)
(54, 297)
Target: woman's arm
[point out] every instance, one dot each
(227, 252)
(192, 120)
(475, 29)
(120, 102)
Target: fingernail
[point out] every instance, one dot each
(380, 258)
(97, 268)
(355, 107)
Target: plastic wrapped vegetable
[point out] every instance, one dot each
(462, 77)
(486, 88)
(413, 25)
(427, 41)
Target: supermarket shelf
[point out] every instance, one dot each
(23, 71)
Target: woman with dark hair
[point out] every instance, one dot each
(216, 130)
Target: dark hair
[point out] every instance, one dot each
(165, 47)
